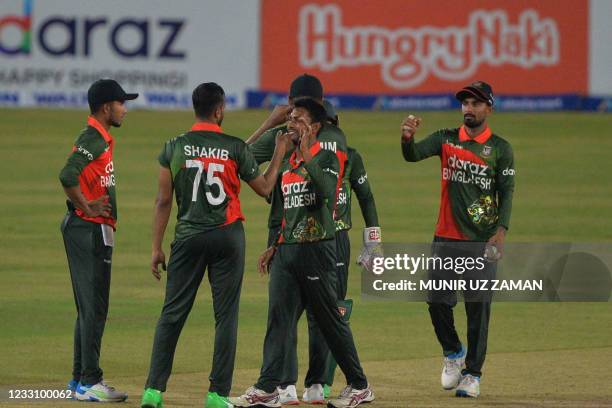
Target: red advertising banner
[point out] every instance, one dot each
(401, 46)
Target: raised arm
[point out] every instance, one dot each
(413, 151)
(264, 184)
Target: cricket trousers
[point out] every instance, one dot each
(304, 276)
(477, 304)
(321, 364)
(343, 254)
(221, 252)
(89, 261)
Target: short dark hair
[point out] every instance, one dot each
(206, 98)
(94, 108)
(315, 109)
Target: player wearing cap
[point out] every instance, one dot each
(355, 179)
(88, 230)
(261, 143)
(203, 167)
(475, 205)
(303, 268)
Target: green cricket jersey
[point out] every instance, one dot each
(355, 179)
(309, 196)
(331, 137)
(206, 165)
(477, 181)
(90, 166)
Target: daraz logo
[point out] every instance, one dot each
(77, 33)
(22, 22)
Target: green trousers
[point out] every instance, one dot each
(321, 364)
(221, 251)
(477, 304)
(89, 261)
(303, 276)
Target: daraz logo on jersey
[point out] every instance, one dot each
(108, 180)
(467, 172)
(19, 35)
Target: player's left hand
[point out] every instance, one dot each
(497, 241)
(265, 259)
(307, 138)
(158, 257)
(372, 247)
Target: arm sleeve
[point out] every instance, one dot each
(430, 146)
(86, 149)
(505, 185)
(263, 149)
(361, 185)
(324, 170)
(248, 168)
(165, 156)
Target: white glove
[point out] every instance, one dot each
(372, 247)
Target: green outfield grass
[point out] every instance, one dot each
(554, 354)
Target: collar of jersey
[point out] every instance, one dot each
(314, 149)
(206, 127)
(93, 122)
(481, 138)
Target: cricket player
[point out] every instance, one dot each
(355, 179)
(475, 206)
(303, 267)
(203, 167)
(261, 144)
(88, 230)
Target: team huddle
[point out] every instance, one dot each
(309, 182)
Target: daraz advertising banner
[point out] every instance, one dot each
(399, 54)
(51, 51)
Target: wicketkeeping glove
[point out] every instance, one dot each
(372, 247)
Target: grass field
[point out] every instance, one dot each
(540, 354)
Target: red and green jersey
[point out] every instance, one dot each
(355, 179)
(477, 181)
(309, 196)
(206, 167)
(90, 166)
(331, 138)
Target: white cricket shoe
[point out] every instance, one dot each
(314, 395)
(351, 397)
(469, 386)
(99, 392)
(451, 371)
(254, 397)
(288, 395)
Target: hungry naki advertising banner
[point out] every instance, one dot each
(51, 51)
(400, 47)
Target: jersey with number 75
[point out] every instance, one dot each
(206, 167)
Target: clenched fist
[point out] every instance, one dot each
(409, 127)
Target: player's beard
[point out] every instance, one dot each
(220, 121)
(471, 121)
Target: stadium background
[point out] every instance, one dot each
(538, 55)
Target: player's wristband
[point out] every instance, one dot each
(372, 235)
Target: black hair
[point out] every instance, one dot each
(315, 110)
(206, 98)
(94, 108)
